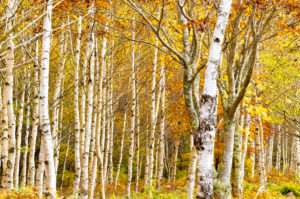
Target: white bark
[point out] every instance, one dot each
(152, 121)
(4, 141)
(174, 160)
(44, 107)
(208, 107)
(19, 136)
(133, 111)
(8, 98)
(27, 129)
(56, 99)
(89, 112)
(35, 121)
(278, 154)
(76, 111)
(191, 173)
(162, 128)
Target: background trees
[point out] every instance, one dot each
(96, 95)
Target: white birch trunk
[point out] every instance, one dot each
(56, 99)
(44, 107)
(133, 110)
(76, 112)
(162, 129)
(27, 129)
(137, 146)
(278, 154)
(204, 141)
(89, 112)
(19, 137)
(191, 173)
(39, 180)
(174, 160)
(8, 98)
(152, 122)
(4, 142)
(35, 120)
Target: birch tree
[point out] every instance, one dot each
(44, 108)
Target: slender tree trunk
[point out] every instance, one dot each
(162, 129)
(263, 152)
(259, 156)
(245, 143)
(278, 154)
(19, 137)
(64, 165)
(174, 160)
(56, 99)
(237, 181)
(76, 112)
(35, 120)
(133, 111)
(252, 158)
(95, 126)
(146, 172)
(269, 158)
(27, 129)
(112, 118)
(152, 122)
(137, 148)
(89, 112)
(121, 150)
(44, 112)
(191, 173)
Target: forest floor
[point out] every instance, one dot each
(279, 186)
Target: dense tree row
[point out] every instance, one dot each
(136, 94)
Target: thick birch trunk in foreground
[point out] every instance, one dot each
(76, 112)
(204, 139)
(44, 107)
(8, 99)
(35, 120)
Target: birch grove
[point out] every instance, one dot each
(149, 99)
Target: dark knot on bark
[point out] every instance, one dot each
(198, 142)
